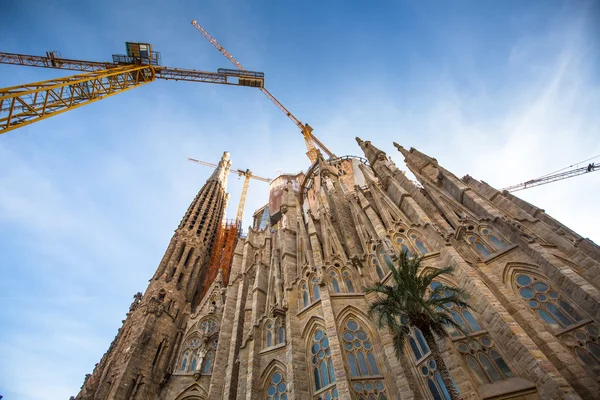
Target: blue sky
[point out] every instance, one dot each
(504, 91)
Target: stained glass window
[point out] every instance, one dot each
(277, 388)
(208, 326)
(546, 302)
(209, 357)
(365, 375)
(321, 364)
(558, 313)
(305, 295)
(486, 363)
(316, 292)
(274, 331)
(348, 281)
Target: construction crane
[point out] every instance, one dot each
(553, 177)
(247, 174)
(25, 104)
(309, 138)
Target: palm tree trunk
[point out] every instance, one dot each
(441, 365)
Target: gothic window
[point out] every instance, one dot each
(189, 357)
(276, 387)
(492, 238)
(184, 362)
(274, 332)
(209, 358)
(348, 281)
(426, 366)
(281, 334)
(378, 269)
(334, 279)
(269, 333)
(304, 294)
(208, 326)
(559, 314)
(420, 245)
(402, 245)
(344, 283)
(315, 287)
(485, 363)
(321, 366)
(386, 259)
(367, 381)
(479, 246)
(546, 302)
(478, 352)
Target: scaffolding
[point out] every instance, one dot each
(221, 255)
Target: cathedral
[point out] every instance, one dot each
(285, 317)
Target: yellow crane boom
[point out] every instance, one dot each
(25, 104)
(247, 174)
(309, 137)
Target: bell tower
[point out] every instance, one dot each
(138, 360)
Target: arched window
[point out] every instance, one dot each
(418, 243)
(321, 366)
(184, 361)
(401, 244)
(559, 314)
(274, 332)
(209, 358)
(426, 366)
(485, 363)
(378, 269)
(276, 387)
(315, 287)
(478, 352)
(492, 238)
(281, 335)
(304, 294)
(365, 375)
(479, 246)
(348, 281)
(334, 279)
(463, 317)
(387, 259)
(269, 333)
(189, 355)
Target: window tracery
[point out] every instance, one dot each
(274, 332)
(341, 279)
(426, 366)
(484, 240)
(581, 336)
(367, 381)
(321, 366)
(477, 350)
(276, 387)
(209, 358)
(189, 355)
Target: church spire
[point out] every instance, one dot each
(221, 173)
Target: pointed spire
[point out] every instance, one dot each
(372, 153)
(415, 158)
(221, 173)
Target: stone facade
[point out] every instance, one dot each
(292, 322)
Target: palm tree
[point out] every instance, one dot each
(409, 300)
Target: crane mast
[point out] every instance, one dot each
(309, 137)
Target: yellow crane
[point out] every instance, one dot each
(309, 138)
(25, 104)
(247, 174)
